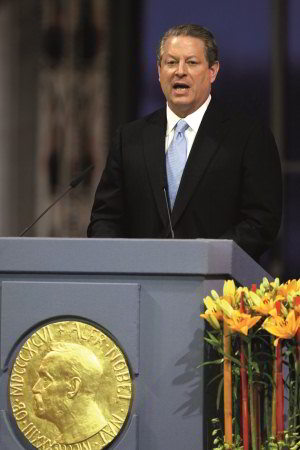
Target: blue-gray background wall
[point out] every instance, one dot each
(242, 31)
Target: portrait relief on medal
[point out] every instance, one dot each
(70, 387)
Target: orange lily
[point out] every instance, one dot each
(292, 287)
(266, 305)
(241, 322)
(297, 304)
(282, 328)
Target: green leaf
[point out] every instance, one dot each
(213, 338)
(265, 354)
(213, 343)
(220, 375)
(231, 358)
(215, 421)
(219, 392)
(208, 363)
(255, 367)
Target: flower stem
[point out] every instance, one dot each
(256, 391)
(252, 412)
(227, 386)
(236, 387)
(274, 399)
(297, 374)
(279, 394)
(267, 430)
(244, 388)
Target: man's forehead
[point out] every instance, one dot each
(190, 45)
(49, 360)
(183, 39)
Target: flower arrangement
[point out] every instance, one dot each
(257, 333)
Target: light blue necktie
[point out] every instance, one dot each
(176, 159)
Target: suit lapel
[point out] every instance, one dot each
(205, 146)
(154, 151)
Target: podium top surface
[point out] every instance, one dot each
(128, 256)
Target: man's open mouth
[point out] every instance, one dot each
(180, 87)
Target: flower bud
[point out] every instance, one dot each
(214, 294)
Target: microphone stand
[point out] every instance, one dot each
(169, 214)
(71, 186)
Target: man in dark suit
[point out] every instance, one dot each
(230, 187)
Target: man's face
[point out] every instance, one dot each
(184, 74)
(50, 390)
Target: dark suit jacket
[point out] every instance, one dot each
(231, 186)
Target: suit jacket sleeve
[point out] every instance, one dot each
(108, 212)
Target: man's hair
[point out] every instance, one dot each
(77, 360)
(197, 31)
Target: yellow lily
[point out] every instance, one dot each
(241, 290)
(275, 284)
(241, 322)
(237, 298)
(212, 318)
(210, 303)
(254, 298)
(226, 308)
(292, 287)
(229, 291)
(212, 307)
(213, 313)
(282, 328)
(214, 294)
(229, 288)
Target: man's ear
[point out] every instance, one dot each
(74, 383)
(158, 70)
(214, 69)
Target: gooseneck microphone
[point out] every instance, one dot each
(77, 180)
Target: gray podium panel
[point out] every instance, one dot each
(128, 256)
(173, 404)
(113, 307)
(8, 440)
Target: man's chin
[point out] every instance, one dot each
(40, 412)
(181, 107)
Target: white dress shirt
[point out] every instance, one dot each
(193, 120)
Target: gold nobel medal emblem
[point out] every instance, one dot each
(70, 387)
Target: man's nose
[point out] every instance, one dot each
(181, 68)
(37, 387)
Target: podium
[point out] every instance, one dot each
(148, 295)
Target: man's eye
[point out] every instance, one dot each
(171, 63)
(192, 63)
(46, 381)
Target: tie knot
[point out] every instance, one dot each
(181, 126)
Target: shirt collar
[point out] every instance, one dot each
(193, 120)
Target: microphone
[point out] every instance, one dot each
(71, 186)
(169, 213)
